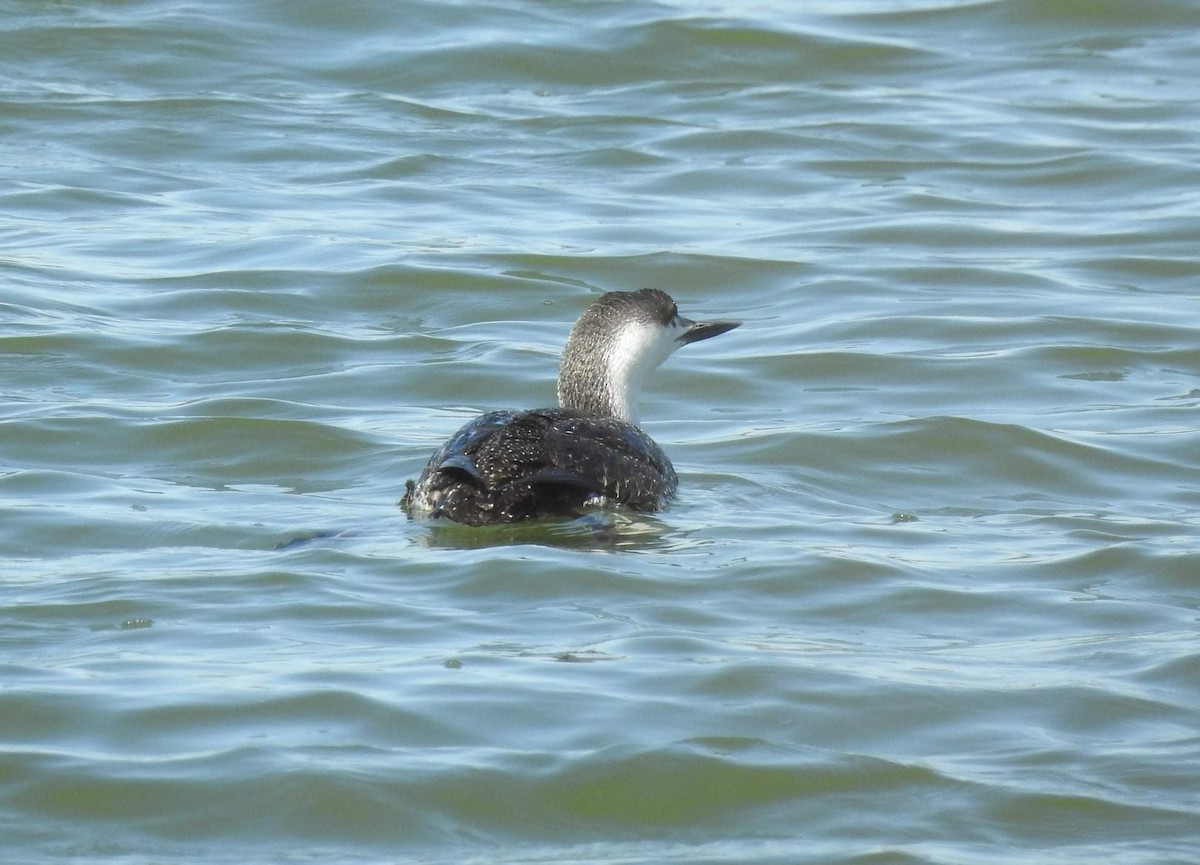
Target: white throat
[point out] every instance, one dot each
(636, 352)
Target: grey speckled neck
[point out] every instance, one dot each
(616, 341)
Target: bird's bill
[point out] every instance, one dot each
(698, 330)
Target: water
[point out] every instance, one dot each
(929, 592)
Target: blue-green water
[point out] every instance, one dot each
(929, 592)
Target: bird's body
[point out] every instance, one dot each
(506, 466)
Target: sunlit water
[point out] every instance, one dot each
(928, 594)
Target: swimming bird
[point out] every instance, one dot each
(513, 465)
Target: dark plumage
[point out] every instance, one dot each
(506, 466)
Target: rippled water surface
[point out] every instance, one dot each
(928, 594)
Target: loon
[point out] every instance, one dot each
(508, 465)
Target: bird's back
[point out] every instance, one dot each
(508, 465)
